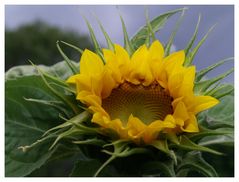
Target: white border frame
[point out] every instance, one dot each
(118, 2)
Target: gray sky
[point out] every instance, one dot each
(219, 45)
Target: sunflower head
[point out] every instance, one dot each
(142, 95)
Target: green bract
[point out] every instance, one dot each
(47, 129)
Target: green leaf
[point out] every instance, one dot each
(193, 161)
(19, 71)
(221, 115)
(25, 122)
(224, 140)
(87, 168)
(157, 23)
(50, 103)
(158, 168)
(127, 44)
(172, 36)
(191, 55)
(59, 70)
(60, 163)
(191, 42)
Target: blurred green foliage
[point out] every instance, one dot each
(37, 42)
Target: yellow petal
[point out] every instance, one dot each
(174, 62)
(108, 84)
(176, 57)
(201, 103)
(122, 55)
(89, 83)
(72, 79)
(181, 112)
(100, 119)
(156, 51)
(191, 124)
(174, 84)
(96, 84)
(83, 83)
(108, 55)
(176, 101)
(135, 127)
(88, 98)
(90, 63)
(188, 81)
(116, 125)
(113, 64)
(140, 68)
(155, 127)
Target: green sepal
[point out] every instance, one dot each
(72, 46)
(172, 137)
(94, 40)
(203, 72)
(221, 91)
(193, 161)
(127, 44)
(59, 94)
(150, 32)
(187, 144)
(173, 34)
(107, 37)
(73, 121)
(140, 37)
(68, 61)
(162, 145)
(121, 148)
(52, 103)
(66, 134)
(189, 59)
(207, 132)
(201, 87)
(75, 130)
(91, 141)
(191, 42)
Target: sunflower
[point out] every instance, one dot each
(142, 95)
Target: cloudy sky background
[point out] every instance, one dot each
(219, 45)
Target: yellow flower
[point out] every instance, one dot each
(140, 96)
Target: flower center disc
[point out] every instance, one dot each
(147, 103)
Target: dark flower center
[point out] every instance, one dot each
(148, 103)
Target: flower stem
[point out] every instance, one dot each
(103, 165)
